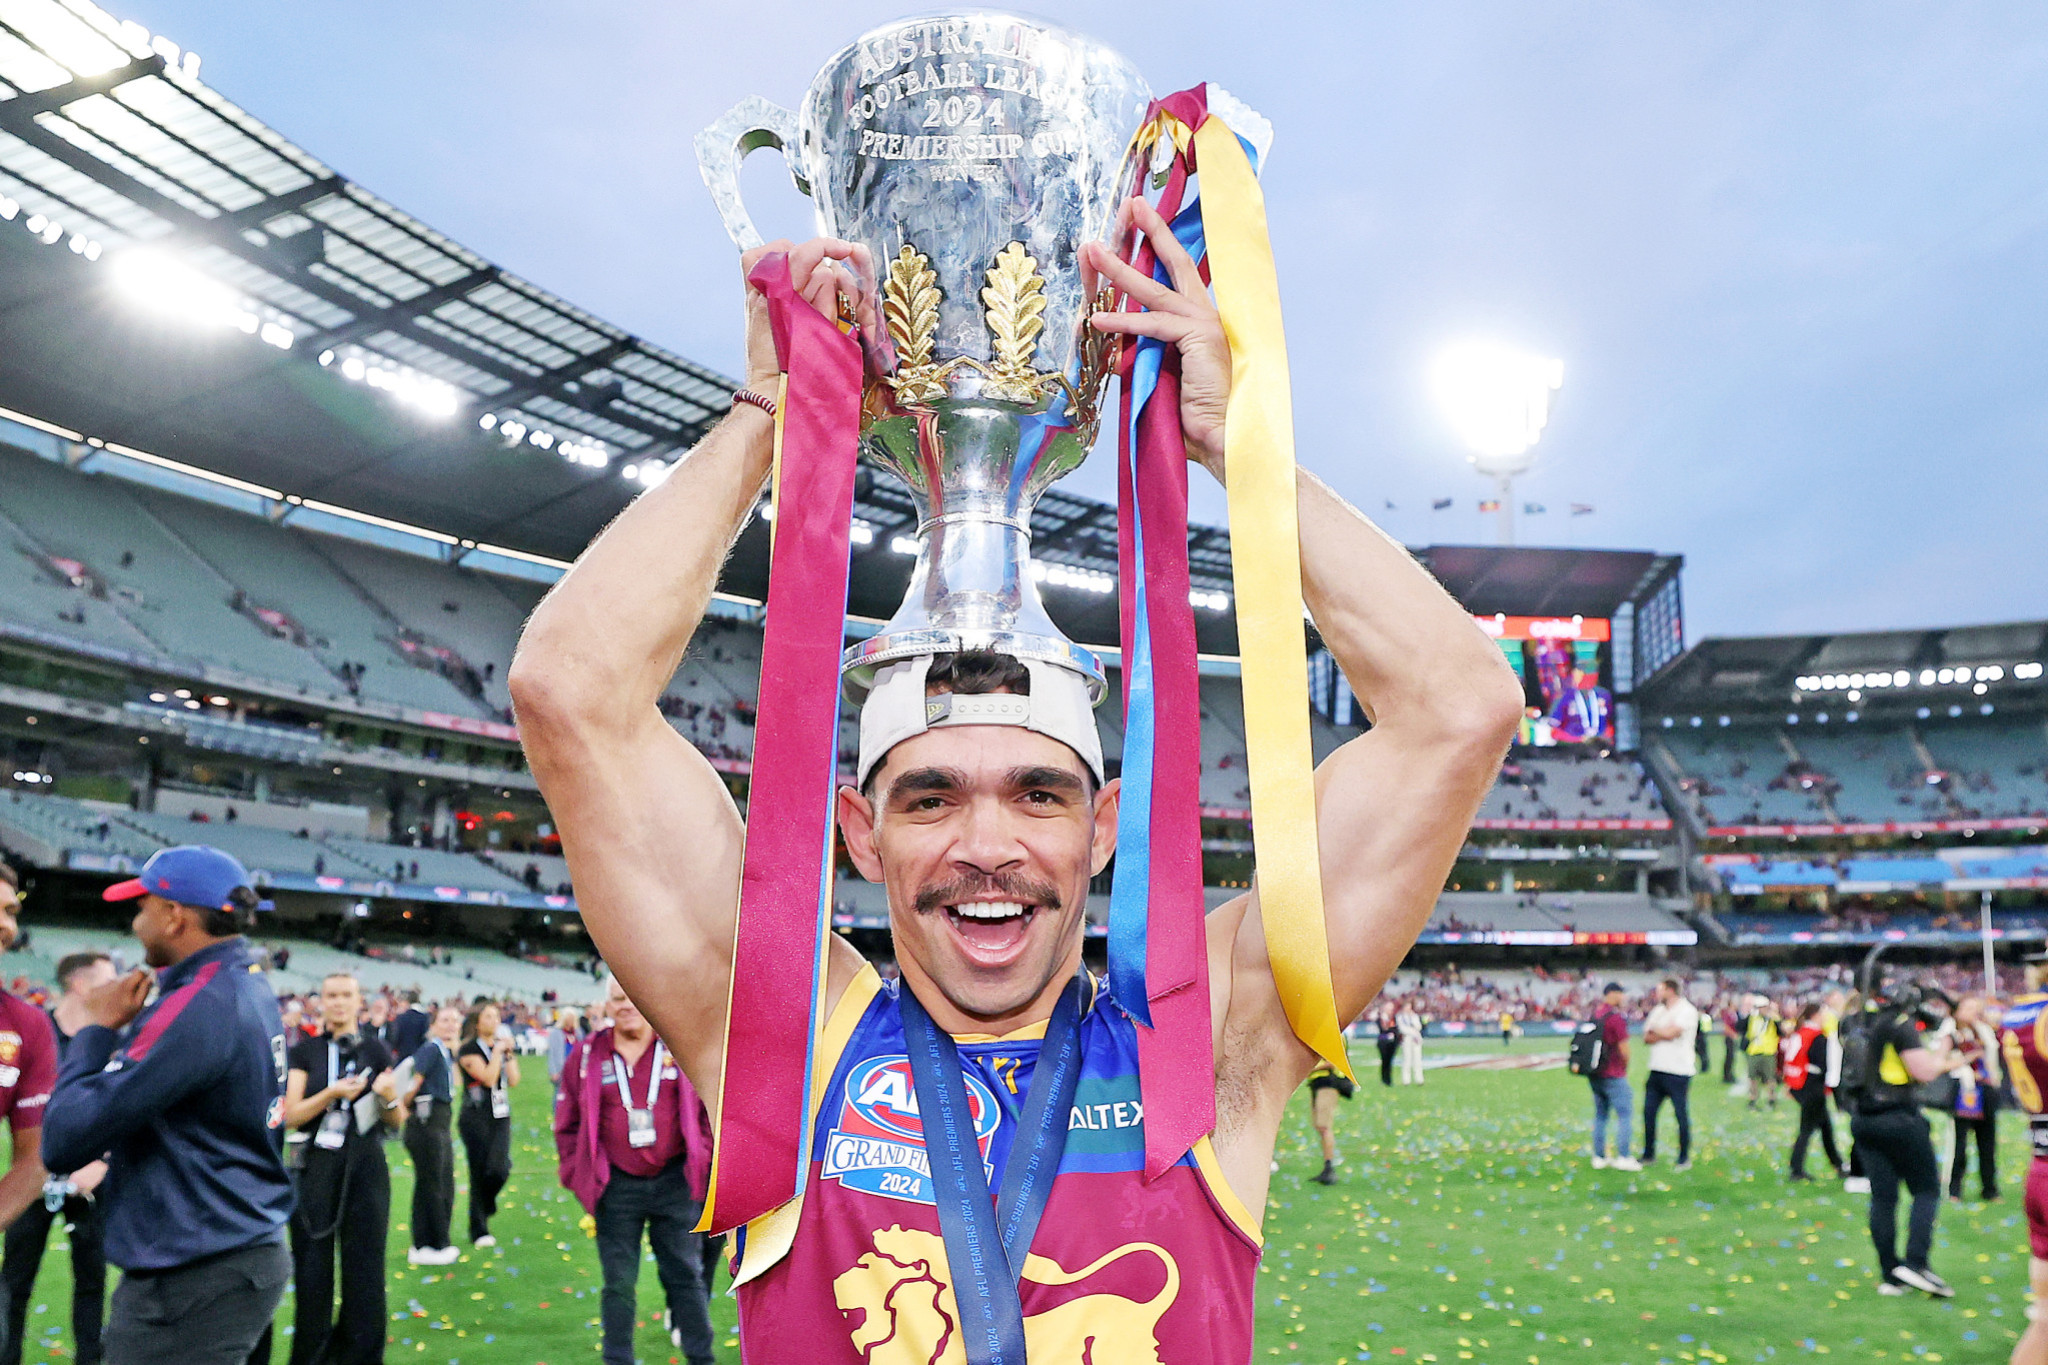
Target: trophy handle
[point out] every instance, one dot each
(751, 124)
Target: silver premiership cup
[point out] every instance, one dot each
(973, 155)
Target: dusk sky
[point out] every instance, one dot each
(1793, 259)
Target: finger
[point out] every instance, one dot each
(805, 259)
(1163, 326)
(1187, 278)
(822, 292)
(1146, 290)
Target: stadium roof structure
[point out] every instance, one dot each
(1876, 670)
(1522, 580)
(505, 412)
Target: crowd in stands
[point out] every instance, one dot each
(1448, 994)
(1973, 769)
(1572, 784)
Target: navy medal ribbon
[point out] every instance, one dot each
(987, 1239)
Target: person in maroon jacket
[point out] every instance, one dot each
(28, 1072)
(635, 1148)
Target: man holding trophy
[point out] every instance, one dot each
(1002, 1157)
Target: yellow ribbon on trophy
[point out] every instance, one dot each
(1265, 551)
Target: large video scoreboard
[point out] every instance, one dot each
(1566, 667)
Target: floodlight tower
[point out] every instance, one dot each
(1498, 401)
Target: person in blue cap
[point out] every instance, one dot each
(185, 1096)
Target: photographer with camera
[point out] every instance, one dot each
(1885, 1055)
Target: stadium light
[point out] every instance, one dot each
(169, 286)
(1498, 401)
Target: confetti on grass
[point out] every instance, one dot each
(1465, 1229)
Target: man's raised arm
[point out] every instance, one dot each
(652, 836)
(1392, 806)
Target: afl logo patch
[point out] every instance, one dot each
(275, 1118)
(877, 1145)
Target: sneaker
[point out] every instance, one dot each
(1798, 1176)
(486, 1241)
(1855, 1184)
(1924, 1280)
(1683, 1166)
(1626, 1163)
(1326, 1176)
(446, 1256)
(1891, 1290)
(412, 1256)
(1599, 1163)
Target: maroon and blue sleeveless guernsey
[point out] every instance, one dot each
(854, 1272)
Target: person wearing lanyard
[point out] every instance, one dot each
(340, 1097)
(488, 1071)
(69, 1198)
(635, 1149)
(431, 1097)
(982, 802)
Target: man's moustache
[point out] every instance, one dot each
(1003, 887)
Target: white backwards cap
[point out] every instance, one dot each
(897, 709)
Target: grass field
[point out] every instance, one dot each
(1467, 1226)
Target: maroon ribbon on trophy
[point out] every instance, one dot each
(764, 1110)
(1176, 1059)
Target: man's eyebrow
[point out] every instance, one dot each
(1045, 777)
(928, 780)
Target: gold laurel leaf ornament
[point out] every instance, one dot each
(910, 308)
(1014, 305)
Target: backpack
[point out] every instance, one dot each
(1859, 1059)
(1589, 1048)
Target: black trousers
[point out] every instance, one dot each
(1984, 1132)
(1700, 1047)
(1895, 1148)
(345, 1206)
(26, 1239)
(662, 1206)
(1663, 1086)
(433, 1165)
(210, 1312)
(1814, 1118)
(1387, 1051)
(487, 1144)
(1727, 1060)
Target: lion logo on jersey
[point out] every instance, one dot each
(909, 1316)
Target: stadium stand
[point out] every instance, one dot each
(1990, 770)
(1867, 775)
(480, 615)
(1744, 777)
(1576, 912)
(337, 621)
(1573, 786)
(58, 823)
(94, 533)
(435, 866)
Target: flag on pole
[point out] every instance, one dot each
(1441, 503)
(1490, 505)
(1531, 509)
(1581, 509)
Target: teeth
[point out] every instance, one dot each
(990, 910)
